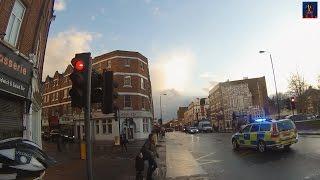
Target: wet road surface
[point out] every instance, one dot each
(210, 156)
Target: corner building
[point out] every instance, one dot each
(131, 73)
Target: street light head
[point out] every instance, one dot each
(262, 52)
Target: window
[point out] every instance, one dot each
(141, 65)
(145, 125)
(109, 64)
(246, 129)
(14, 23)
(255, 128)
(65, 93)
(127, 101)
(142, 83)
(142, 103)
(53, 97)
(110, 126)
(127, 63)
(48, 98)
(127, 81)
(57, 96)
(97, 128)
(83, 129)
(104, 127)
(265, 127)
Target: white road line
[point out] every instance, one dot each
(213, 161)
(206, 155)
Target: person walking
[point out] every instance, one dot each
(123, 142)
(139, 164)
(149, 152)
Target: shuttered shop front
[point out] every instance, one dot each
(11, 115)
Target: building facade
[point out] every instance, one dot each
(135, 117)
(24, 28)
(237, 100)
(196, 111)
(180, 113)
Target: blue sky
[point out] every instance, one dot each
(192, 44)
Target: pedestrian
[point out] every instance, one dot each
(123, 142)
(139, 166)
(59, 142)
(149, 152)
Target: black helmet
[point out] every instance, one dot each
(22, 158)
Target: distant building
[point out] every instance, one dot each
(180, 113)
(197, 111)
(131, 73)
(243, 99)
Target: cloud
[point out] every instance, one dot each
(59, 5)
(93, 18)
(156, 11)
(102, 10)
(62, 47)
(147, 1)
(208, 75)
(173, 70)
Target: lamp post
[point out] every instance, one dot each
(161, 106)
(275, 83)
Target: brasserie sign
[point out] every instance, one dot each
(15, 72)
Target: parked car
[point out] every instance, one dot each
(192, 130)
(297, 117)
(54, 135)
(169, 129)
(45, 135)
(205, 126)
(266, 134)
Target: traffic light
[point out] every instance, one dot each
(293, 103)
(109, 93)
(96, 87)
(79, 78)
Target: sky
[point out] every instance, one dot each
(192, 44)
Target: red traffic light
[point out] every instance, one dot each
(78, 64)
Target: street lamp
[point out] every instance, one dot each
(275, 83)
(164, 94)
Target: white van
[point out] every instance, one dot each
(205, 126)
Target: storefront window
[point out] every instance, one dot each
(104, 126)
(127, 101)
(110, 126)
(145, 125)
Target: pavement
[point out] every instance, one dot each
(210, 156)
(109, 162)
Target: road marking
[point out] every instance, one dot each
(212, 161)
(206, 155)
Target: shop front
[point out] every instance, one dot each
(15, 98)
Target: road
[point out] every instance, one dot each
(210, 156)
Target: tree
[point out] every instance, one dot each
(297, 85)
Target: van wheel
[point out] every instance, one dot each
(262, 146)
(235, 145)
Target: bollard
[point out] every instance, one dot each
(83, 150)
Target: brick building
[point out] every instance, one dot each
(131, 73)
(24, 28)
(240, 98)
(180, 113)
(197, 111)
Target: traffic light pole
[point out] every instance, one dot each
(88, 123)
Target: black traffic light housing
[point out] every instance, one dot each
(109, 93)
(96, 87)
(79, 78)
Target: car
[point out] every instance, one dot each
(45, 135)
(297, 117)
(55, 134)
(192, 130)
(266, 134)
(205, 126)
(169, 129)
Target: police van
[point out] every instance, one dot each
(263, 134)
